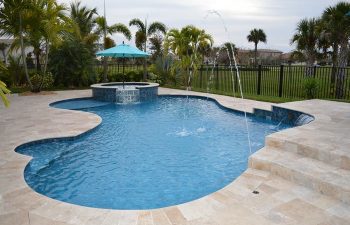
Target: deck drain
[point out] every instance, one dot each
(255, 192)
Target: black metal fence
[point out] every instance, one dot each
(115, 68)
(286, 81)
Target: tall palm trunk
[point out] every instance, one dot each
(255, 54)
(334, 62)
(340, 75)
(310, 65)
(45, 65)
(37, 59)
(46, 57)
(23, 53)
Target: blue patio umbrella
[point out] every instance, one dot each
(123, 51)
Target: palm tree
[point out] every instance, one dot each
(231, 49)
(306, 38)
(337, 25)
(189, 41)
(142, 35)
(103, 30)
(85, 19)
(13, 25)
(36, 23)
(189, 45)
(156, 46)
(256, 36)
(52, 25)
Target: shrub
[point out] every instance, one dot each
(15, 72)
(135, 75)
(71, 63)
(41, 81)
(48, 81)
(154, 77)
(115, 77)
(310, 88)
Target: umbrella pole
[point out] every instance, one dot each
(123, 71)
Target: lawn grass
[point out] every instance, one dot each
(292, 86)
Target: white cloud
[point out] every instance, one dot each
(277, 17)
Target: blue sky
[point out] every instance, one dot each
(278, 18)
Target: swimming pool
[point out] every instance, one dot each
(148, 155)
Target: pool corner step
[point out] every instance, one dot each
(314, 174)
(328, 154)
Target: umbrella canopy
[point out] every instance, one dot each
(123, 51)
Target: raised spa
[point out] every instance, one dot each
(128, 92)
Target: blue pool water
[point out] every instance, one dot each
(148, 155)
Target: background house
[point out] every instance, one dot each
(5, 52)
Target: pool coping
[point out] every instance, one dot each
(36, 214)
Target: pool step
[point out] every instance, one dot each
(319, 176)
(330, 154)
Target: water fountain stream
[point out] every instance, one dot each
(214, 12)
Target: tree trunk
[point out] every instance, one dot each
(256, 54)
(23, 54)
(309, 67)
(45, 65)
(340, 75)
(37, 59)
(311, 57)
(46, 57)
(334, 62)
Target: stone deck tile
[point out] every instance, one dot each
(279, 202)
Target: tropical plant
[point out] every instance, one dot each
(143, 34)
(306, 38)
(310, 87)
(256, 36)
(3, 89)
(42, 81)
(36, 23)
(71, 63)
(3, 47)
(14, 74)
(103, 30)
(162, 68)
(12, 24)
(156, 47)
(336, 20)
(85, 20)
(188, 44)
(224, 53)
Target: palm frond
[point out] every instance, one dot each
(138, 23)
(156, 27)
(120, 28)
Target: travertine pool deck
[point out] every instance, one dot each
(302, 174)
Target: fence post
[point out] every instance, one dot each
(217, 77)
(280, 88)
(259, 80)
